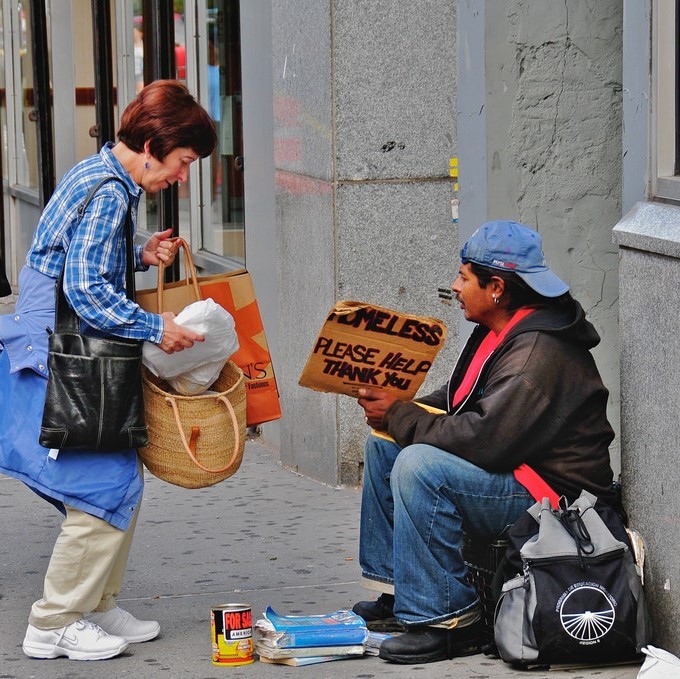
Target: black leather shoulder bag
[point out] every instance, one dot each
(94, 398)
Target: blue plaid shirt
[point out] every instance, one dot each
(94, 248)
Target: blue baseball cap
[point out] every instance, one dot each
(511, 246)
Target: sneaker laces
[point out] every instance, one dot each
(88, 624)
(80, 625)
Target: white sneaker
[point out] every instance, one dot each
(123, 624)
(81, 640)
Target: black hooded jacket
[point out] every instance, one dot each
(539, 399)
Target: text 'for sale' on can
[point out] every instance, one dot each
(232, 634)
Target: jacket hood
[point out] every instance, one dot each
(568, 322)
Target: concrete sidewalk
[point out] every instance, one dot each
(266, 536)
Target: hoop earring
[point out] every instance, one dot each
(495, 299)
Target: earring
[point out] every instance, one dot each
(146, 165)
(495, 299)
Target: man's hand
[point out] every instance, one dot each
(161, 247)
(375, 404)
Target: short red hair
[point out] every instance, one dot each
(166, 115)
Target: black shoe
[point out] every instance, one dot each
(422, 644)
(379, 614)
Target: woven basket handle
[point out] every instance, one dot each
(189, 269)
(188, 448)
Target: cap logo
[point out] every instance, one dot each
(504, 265)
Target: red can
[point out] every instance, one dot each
(232, 634)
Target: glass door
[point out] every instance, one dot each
(4, 282)
(27, 140)
(21, 149)
(222, 231)
(200, 43)
(157, 36)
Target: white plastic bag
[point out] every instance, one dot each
(193, 370)
(659, 664)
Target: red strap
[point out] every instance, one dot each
(524, 473)
(484, 350)
(536, 485)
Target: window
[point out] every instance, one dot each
(665, 170)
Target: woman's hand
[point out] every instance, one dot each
(161, 247)
(175, 337)
(375, 404)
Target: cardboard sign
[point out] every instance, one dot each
(363, 345)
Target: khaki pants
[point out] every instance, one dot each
(85, 571)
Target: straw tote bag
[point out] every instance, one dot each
(233, 291)
(195, 441)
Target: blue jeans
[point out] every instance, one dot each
(416, 504)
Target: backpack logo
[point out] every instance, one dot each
(587, 612)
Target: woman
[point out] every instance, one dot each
(162, 132)
(522, 417)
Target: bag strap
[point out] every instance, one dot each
(66, 319)
(190, 448)
(190, 272)
(570, 518)
(536, 484)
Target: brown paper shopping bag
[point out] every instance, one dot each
(364, 345)
(234, 291)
